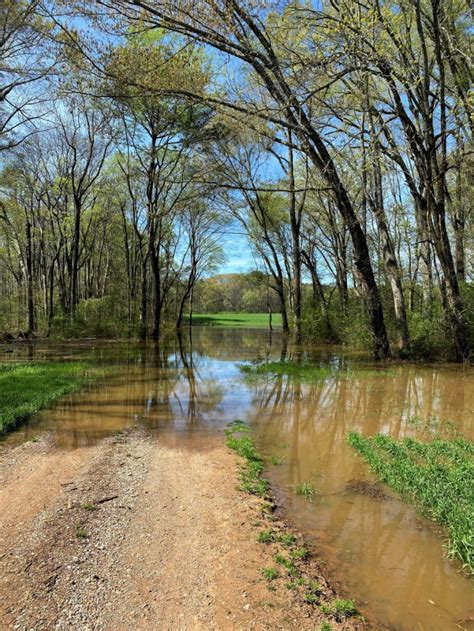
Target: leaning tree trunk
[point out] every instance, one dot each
(392, 268)
(295, 222)
(323, 161)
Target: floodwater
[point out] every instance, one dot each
(376, 547)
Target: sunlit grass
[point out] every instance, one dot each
(301, 371)
(27, 388)
(307, 372)
(237, 320)
(436, 476)
(251, 473)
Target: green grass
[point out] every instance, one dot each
(81, 533)
(305, 489)
(276, 461)
(270, 573)
(307, 372)
(340, 608)
(300, 554)
(435, 476)
(302, 372)
(251, 478)
(289, 558)
(243, 320)
(27, 388)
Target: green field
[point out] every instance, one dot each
(27, 388)
(246, 320)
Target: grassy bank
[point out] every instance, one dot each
(306, 372)
(27, 388)
(293, 566)
(302, 372)
(244, 320)
(435, 476)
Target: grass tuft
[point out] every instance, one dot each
(340, 608)
(435, 476)
(270, 573)
(305, 489)
(276, 461)
(266, 536)
(80, 532)
(306, 372)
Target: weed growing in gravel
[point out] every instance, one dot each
(80, 532)
(305, 489)
(286, 563)
(287, 539)
(339, 608)
(266, 536)
(266, 508)
(299, 554)
(270, 573)
(294, 584)
(88, 506)
(325, 626)
(435, 476)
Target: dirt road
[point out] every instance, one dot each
(135, 533)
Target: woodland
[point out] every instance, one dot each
(334, 138)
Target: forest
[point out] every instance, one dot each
(334, 137)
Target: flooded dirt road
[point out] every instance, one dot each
(184, 394)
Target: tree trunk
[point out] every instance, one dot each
(29, 279)
(75, 258)
(295, 222)
(283, 311)
(389, 256)
(143, 330)
(155, 270)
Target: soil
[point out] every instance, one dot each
(137, 533)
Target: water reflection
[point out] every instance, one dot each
(186, 388)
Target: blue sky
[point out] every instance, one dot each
(237, 252)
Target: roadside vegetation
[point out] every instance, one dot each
(27, 388)
(292, 561)
(435, 476)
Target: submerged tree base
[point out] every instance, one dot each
(27, 388)
(435, 476)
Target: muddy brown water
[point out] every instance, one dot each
(376, 547)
